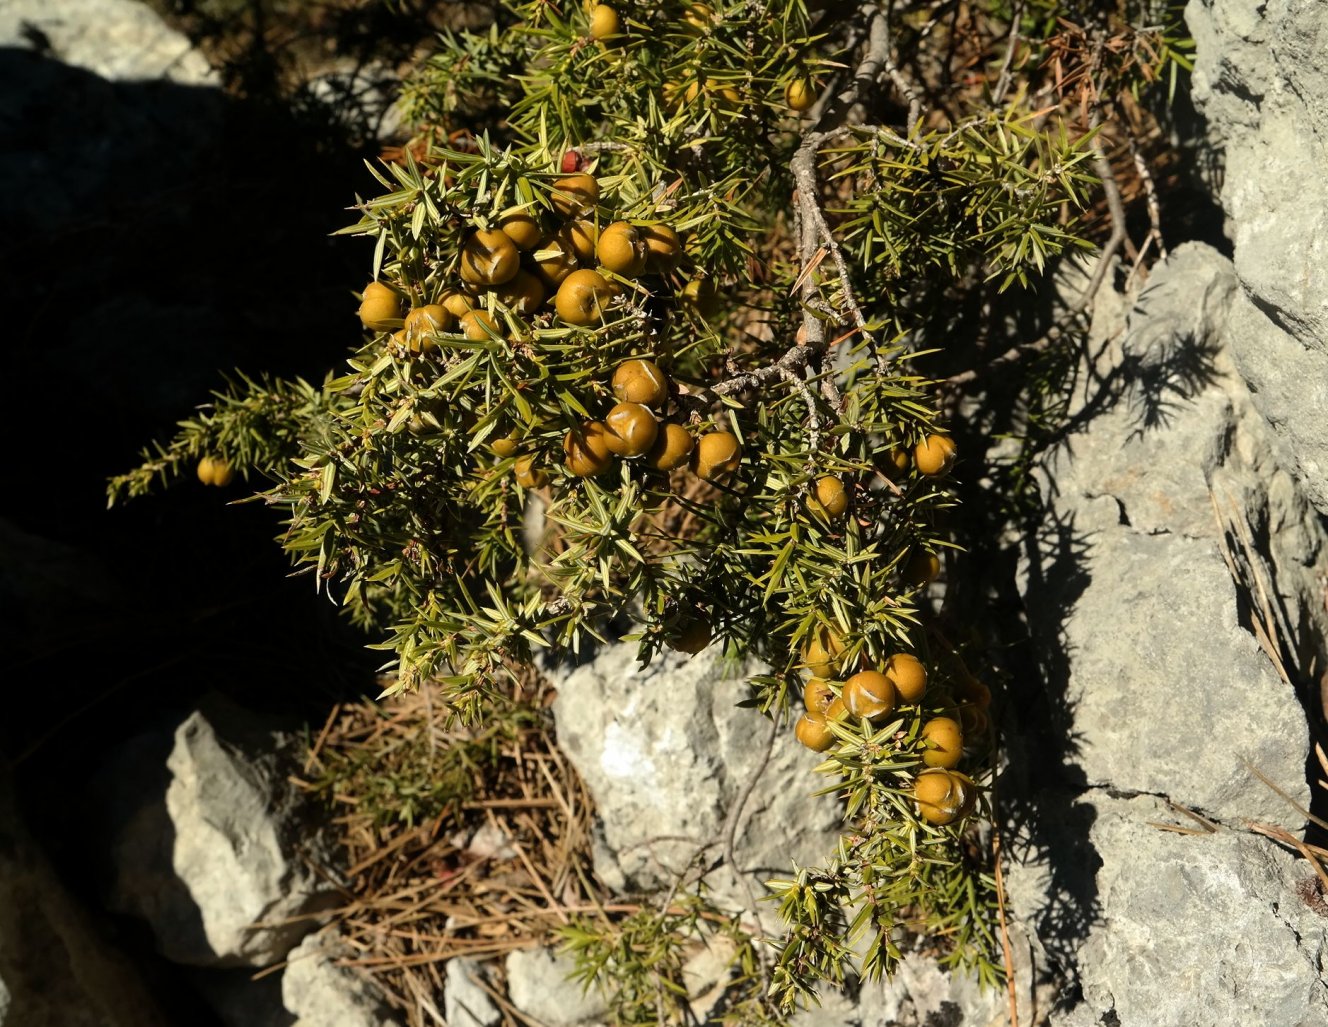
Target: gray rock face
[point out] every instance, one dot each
(55, 968)
(665, 751)
(1157, 682)
(1205, 930)
(319, 993)
(1261, 81)
(538, 985)
(224, 851)
(1165, 690)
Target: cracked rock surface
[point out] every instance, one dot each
(1157, 686)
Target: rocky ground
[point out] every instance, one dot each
(1175, 591)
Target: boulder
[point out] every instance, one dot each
(320, 993)
(1261, 81)
(226, 847)
(665, 751)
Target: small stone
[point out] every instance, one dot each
(319, 993)
(538, 985)
(465, 1002)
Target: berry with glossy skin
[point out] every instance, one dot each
(422, 323)
(945, 742)
(380, 307)
(942, 796)
(622, 249)
(716, 456)
(691, 636)
(554, 261)
(604, 22)
(480, 326)
(528, 476)
(673, 447)
(934, 455)
(582, 298)
(504, 447)
(829, 498)
(817, 696)
(579, 238)
(800, 94)
(662, 245)
(869, 694)
(697, 18)
(812, 731)
(489, 257)
(640, 381)
(836, 710)
(574, 194)
(587, 450)
(630, 430)
(897, 462)
(921, 567)
(457, 303)
(701, 295)
(908, 675)
(523, 228)
(523, 294)
(821, 653)
(215, 471)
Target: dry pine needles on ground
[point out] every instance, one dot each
(457, 841)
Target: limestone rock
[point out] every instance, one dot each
(1163, 686)
(224, 850)
(665, 750)
(538, 985)
(1205, 930)
(465, 1002)
(119, 40)
(1261, 81)
(320, 993)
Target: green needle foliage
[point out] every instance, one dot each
(444, 484)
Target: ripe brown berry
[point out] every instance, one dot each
(944, 742)
(579, 238)
(528, 476)
(587, 451)
(604, 22)
(717, 456)
(622, 249)
(921, 567)
(817, 696)
(908, 675)
(504, 447)
(574, 194)
(869, 694)
(934, 455)
(523, 228)
(701, 295)
(480, 326)
(422, 323)
(897, 462)
(380, 307)
(582, 297)
(836, 710)
(673, 446)
(800, 94)
(663, 246)
(630, 430)
(640, 381)
(489, 257)
(215, 471)
(697, 18)
(970, 690)
(829, 498)
(813, 732)
(690, 636)
(523, 294)
(822, 652)
(457, 303)
(554, 261)
(941, 796)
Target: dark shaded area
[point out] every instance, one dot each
(155, 235)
